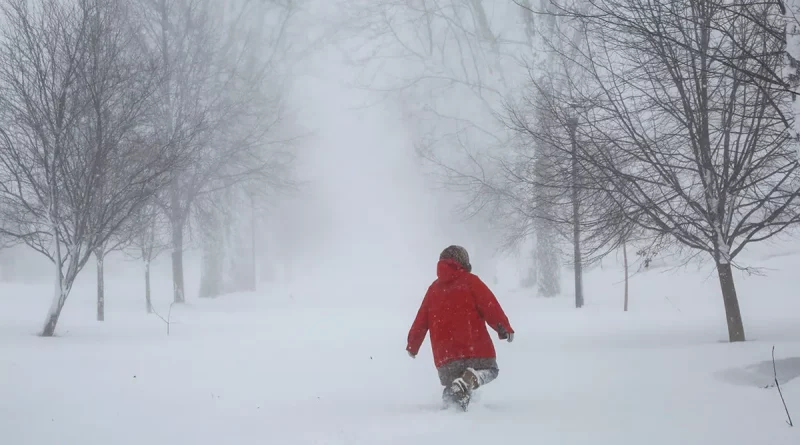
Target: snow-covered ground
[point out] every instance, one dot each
(324, 367)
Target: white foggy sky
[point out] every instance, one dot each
(375, 219)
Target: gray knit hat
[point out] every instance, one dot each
(458, 254)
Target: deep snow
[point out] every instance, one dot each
(315, 365)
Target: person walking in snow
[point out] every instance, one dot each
(456, 309)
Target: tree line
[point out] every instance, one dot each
(572, 129)
(124, 123)
(601, 125)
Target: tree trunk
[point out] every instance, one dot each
(176, 214)
(63, 286)
(212, 264)
(60, 296)
(732, 312)
(101, 297)
(548, 265)
(211, 273)
(530, 25)
(530, 279)
(625, 263)
(177, 266)
(52, 315)
(576, 212)
(55, 310)
(253, 242)
(177, 256)
(576, 236)
(482, 22)
(147, 287)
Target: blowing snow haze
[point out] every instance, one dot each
(394, 221)
(373, 222)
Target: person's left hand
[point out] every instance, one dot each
(503, 334)
(411, 354)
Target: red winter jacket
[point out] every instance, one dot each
(455, 310)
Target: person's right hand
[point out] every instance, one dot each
(410, 354)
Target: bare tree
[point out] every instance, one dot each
(690, 128)
(548, 260)
(228, 219)
(214, 99)
(180, 37)
(556, 196)
(555, 181)
(51, 167)
(148, 237)
(119, 81)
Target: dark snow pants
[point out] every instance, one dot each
(485, 368)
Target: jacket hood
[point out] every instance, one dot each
(448, 270)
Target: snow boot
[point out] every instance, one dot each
(461, 393)
(448, 398)
(472, 378)
(463, 386)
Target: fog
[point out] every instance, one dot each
(367, 223)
